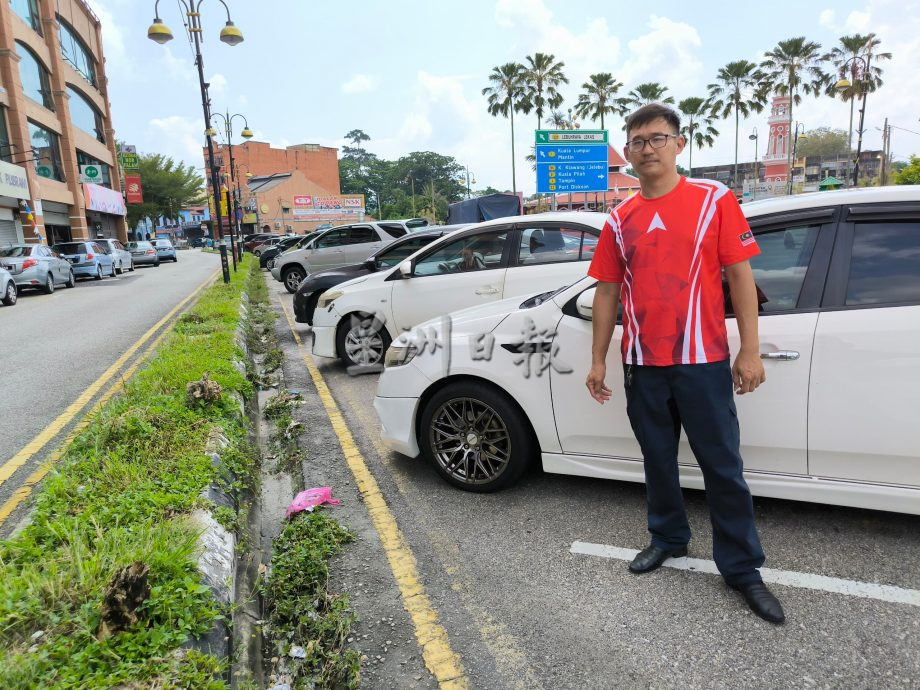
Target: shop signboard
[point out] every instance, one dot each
(13, 181)
(133, 189)
(104, 200)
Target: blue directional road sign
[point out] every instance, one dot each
(573, 166)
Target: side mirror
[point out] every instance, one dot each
(370, 264)
(584, 304)
(405, 269)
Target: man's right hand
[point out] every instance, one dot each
(595, 383)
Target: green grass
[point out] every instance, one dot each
(122, 493)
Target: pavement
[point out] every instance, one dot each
(54, 349)
(525, 605)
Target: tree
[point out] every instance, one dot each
(792, 68)
(736, 91)
(505, 95)
(543, 75)
(433, 205)
(649, 92)
(168, 187)
(910, 174)
(355, 164)
(599, 98)
(823, 141)
(698, 129)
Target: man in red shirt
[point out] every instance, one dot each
(663, 252)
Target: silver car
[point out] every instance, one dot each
(8, 292)
(36, 265)
(121, 257)
(143, 252)
(165, 250)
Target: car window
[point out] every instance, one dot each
(885, 263)
(12, 252)
(478, 252)
(362, 234)
(118, 245)
(413, 223)
(391, 256)
(779, 270)
(545, 245)
(100, 248)
(392, 229)
(333, 238)
(71, 248)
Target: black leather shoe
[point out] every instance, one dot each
(651, 557)
(762, 601)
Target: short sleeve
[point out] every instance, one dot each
(607, 262)
(736, 241)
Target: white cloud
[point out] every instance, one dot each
(828, 19)
(177, 136)
(858, 21)
(360, 83)
(218, 85)
(668, 54)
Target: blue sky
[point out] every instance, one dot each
(410, 74)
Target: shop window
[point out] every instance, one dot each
(27, 10)
(76, 53)
(36, 83)
(46, 152)
(84, 114)
(6, 152)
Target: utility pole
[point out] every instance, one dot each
(886, 146)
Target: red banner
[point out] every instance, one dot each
(133, 187)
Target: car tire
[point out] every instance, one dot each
(292, 277)
(118, 269)
(10, 294)
(175, 259)
(49, 283)
(71, 280)
(131, 266)
(457, 424)
(98, 275)
(359, 343)
(156, 263)
(113, 270)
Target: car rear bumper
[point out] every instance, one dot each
(82, 270)
(145, 259)
(397, 424)
(324, 341)
(29, 277)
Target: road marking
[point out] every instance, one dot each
(789, 578)
(23, 492)
(440, 659)
(53, 429)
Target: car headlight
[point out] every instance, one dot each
(400, 353)
(328, 298)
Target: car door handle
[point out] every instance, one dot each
(486, 290)
(784, 355)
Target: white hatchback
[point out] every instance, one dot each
(504, 257)
(836, 421)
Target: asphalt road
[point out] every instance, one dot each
(52, 347)
(523, 611)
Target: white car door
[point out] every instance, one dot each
(773, 420)
(865, 382)
(550, 255)
(465, 272)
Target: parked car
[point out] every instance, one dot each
(120, 256)
(250, 241)
(143, 253)
(8, 292)
(88, 259)
(335, 247)
(267, 243)
(504, 257)
(835, 422)
(165, 250)
(36, 265)
(292, 242)
(314, 285)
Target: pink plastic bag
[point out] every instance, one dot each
(309, 499)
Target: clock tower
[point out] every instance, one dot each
(776, 157)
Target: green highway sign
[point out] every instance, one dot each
(571, 136)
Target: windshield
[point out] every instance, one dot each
(391, 256)
(15, 251)
(70, 248)
(139, 245)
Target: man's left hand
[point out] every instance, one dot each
(747, 372)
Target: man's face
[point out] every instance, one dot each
(650, 161)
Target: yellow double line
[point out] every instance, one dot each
(440, 659)
(48, 433)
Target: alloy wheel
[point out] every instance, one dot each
(364, 346)
(470, 440)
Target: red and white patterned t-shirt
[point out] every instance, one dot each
(668, 253)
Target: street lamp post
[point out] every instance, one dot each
(160, 33)
(469, 194)
(246, 133)
(754, 137)
(795, 142)
(863, 91)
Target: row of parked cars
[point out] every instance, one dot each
(47, 268)
(484, 335)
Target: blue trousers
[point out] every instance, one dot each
(699, 397)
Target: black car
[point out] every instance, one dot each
(265, 258)
(313, 286)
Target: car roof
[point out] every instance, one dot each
(593, 218)
(862, 195)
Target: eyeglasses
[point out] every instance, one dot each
(656, 142)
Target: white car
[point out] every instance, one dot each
(836, 421)
(504, 257)
(9, 294)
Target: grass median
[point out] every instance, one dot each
(122, 494)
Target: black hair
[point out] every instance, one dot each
(650, 113)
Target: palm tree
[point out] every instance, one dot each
(599, 98)
(558, 119)
(507, 94)
(650, 92)
(793, 67)
(543, 75)
(699, 127)
(854, 70)
(736, 90)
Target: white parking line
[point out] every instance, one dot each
(790, 578)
